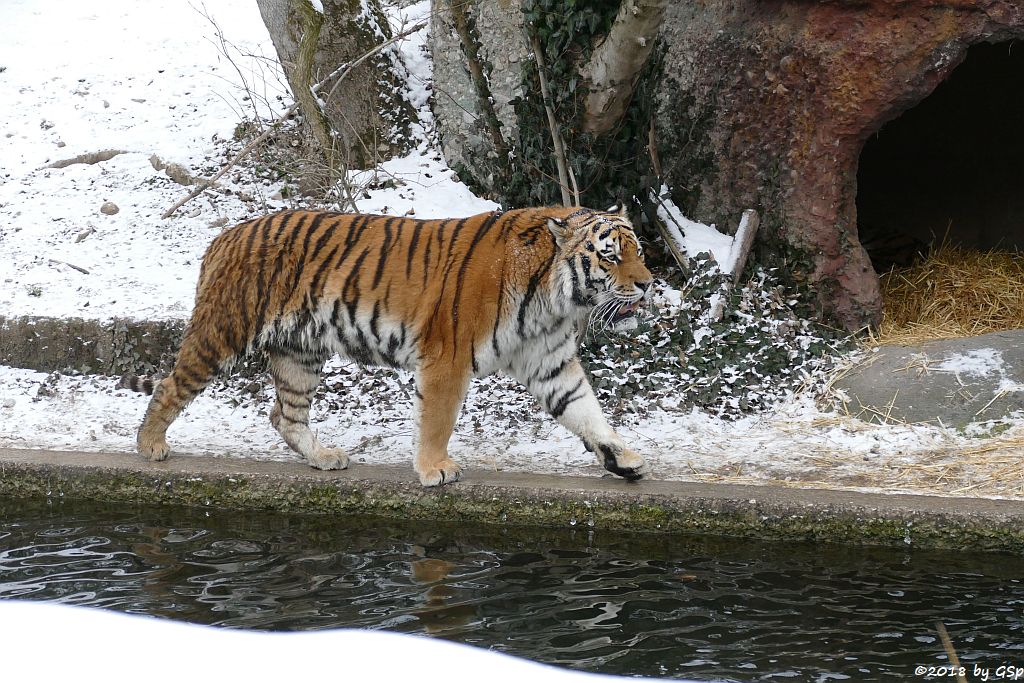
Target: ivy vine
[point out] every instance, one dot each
(609, 168)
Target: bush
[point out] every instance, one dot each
(761, 351)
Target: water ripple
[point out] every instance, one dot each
(693, 607)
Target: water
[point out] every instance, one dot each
(697, 607)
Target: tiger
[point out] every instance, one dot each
(447, 299)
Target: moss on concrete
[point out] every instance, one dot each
(521, 501)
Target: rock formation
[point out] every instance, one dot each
(759, 104)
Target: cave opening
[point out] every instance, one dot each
(950, 168)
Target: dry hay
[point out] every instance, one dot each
(953, 292)
(984, 468)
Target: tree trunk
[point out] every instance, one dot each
(367, 118)
(617, 62)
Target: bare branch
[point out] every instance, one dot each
(340, 73)
(345, 69)
(556, 138)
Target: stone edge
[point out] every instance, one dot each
(85, 345)
(524, 500)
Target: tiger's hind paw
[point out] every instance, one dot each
(329, 459)
(446, 472)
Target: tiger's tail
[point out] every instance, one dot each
(143, 385)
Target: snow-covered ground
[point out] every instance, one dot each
(151, 79)
(28, 627)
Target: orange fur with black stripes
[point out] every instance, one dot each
(446, 299)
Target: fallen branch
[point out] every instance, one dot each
(556, 138)
(742, 243)
(738, 256)
(341, 72)
(80, 269)
(664, 220)
(88, 158)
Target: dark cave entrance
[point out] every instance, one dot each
(951, 167)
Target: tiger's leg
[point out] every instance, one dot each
(296, 378)
(439, 395)
(562, 389)
(193, 370)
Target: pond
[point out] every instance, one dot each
(673, 606)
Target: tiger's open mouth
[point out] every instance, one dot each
(625, 312)
(624, 318)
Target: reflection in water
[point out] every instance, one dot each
(440, 611)
(664, 606)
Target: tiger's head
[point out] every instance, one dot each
(602, 265)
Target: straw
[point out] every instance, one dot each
(953, 292)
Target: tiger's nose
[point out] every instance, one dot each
(644, 286)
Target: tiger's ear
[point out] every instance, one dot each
(558, 228)
(619, 208)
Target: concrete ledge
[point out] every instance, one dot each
(524, 500)
(110, 347)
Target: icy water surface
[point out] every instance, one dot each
(697, 607)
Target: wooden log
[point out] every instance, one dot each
(738, 255)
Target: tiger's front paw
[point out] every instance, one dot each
(437, 474)
(619, 460)
(328, 459)
(153, 448)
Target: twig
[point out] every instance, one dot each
(575, 187)
(999, 394)
(208, 182)
(345, 70)
(950, 652)
(556, 138)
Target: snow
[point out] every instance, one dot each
(124, 642)
(976, 362)
(152, 78)
(980, 363)
(83, 77)
(697, 238)
(369, 414)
